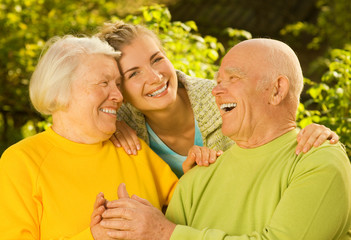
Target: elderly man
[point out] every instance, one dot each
(259, 188)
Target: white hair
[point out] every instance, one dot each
(50, 85)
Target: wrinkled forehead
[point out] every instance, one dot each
(97, 65)
(229, 71)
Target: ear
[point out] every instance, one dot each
(280, 90)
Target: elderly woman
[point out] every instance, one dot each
(49, 182)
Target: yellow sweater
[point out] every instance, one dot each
(48, 184)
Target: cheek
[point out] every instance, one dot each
(167, 67)
(131, 91)
(132, 85)
(93, 99)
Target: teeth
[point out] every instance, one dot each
(157, 92)
(111, 111)
(228, 106)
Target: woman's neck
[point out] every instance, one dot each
(176, 119)
(63, 126)
(175, 126)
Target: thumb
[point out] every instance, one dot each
(122, 191)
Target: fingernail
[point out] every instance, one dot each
(134, 152)
(138, 147)
(305, 149)
(298, 152)
(129, 152)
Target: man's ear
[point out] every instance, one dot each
(280, 90)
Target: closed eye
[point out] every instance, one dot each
(157, 59)
(133, 74)
(104, 83)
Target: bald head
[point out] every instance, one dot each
(274, 58)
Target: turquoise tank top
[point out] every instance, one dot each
(173, 159)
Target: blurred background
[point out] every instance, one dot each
(196, 34)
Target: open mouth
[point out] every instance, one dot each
(158, 92)
(227, 107)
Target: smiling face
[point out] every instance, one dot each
(150, 81)
(95, 97)
(241, 104)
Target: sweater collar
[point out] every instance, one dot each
(73, 147)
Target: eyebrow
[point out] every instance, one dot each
(154, 55)
(233, 70)
(230, 71)
(111, 77)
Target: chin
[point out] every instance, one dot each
(108, 131)
(228, 132)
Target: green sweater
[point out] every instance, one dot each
(205, 111)
(266, 193)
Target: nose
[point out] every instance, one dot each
(115, 94)
(217, 90)
(154, 76)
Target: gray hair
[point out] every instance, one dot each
(50, 85)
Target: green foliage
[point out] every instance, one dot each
(329, 95)
(334, 22)
(237, 35)
(332, 27)
(330, 99)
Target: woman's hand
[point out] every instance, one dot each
(202, 156)
(126, 137)
(96, 229)
(314, 135)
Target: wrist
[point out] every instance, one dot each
(168, 230)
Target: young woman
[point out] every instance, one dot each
(174, 113)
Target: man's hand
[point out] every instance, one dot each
(135, 218)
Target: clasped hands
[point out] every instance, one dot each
(128, 218)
